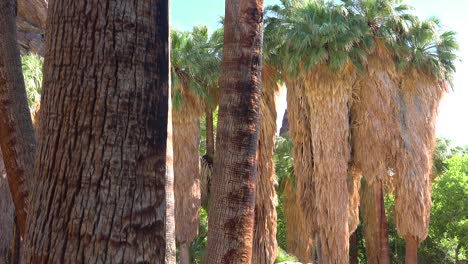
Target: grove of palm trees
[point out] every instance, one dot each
(125, 139)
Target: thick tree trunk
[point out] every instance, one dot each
(231, 218)
(210, 144)
(411, 252)
(101, 169)
(375, 223)
(353, 249)
(264, 242)
(17, 139)
(186, 175)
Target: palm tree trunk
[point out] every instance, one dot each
(7, 216)
(375, 223)
(420, 95)
(231, 218)
(170, 196)
(17, 139)
(353, 249)
(299, 242)
(328, 96)
(184, 250)
(186, 176)
(101, 171)
(264, 241)
(411, 252)
(210, 145)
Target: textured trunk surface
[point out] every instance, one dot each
(264, 243)
(299, 201)
(186, 140)
(231, 218)
(170, 196)
(375, 223)
(184, 250)
(7, 216)
(101, 168)
(299, 242)
(32, 15)
(420, 95)
(17, 139)
(411, 250)
(328, 96)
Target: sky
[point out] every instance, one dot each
(451, 122)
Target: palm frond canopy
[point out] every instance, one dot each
(195, 65)
(310, 33)
(429, 49)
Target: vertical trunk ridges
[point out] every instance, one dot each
(231, 218)
(264, 244)
(7, 216)
(101, 167)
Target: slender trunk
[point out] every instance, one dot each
(231, 218)
(353, 249)
(184, 253)
(411, 252)
(318, 248)
(17, 139)
(285, 124)
(457, 253)
(375, 223)
(170, 196)
(210, 145)
(101, 169)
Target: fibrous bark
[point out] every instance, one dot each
(299, 241)
(101, 182)
(17, 139)
(419, 99)
(7, 216)
(186, 178)
(231, 218)
(264, 244)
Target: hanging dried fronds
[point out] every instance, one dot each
(264, 242)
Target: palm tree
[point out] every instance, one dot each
(231, 214)
(323, 47)
(101, 172)
(194, 69)
(428, 64)
(375, 134)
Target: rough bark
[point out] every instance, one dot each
(170, 196)
(299, 242)
(186, 176)
(231, 218)
(7, 216)
(264, 244)
(375, 223)
(101, 169)
(17, 139)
